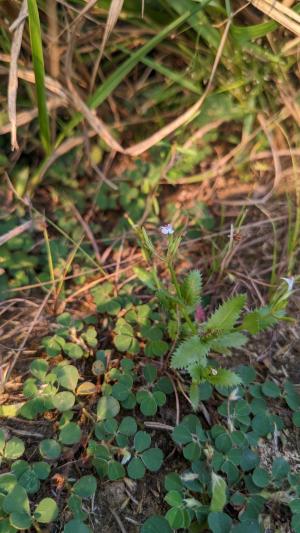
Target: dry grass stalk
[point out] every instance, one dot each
(18, 28)
(280, 13)
(15, 231)
(113, 15)
(24, 117)
(188, 115)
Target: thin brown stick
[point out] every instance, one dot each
(89, 233)
(16, 231)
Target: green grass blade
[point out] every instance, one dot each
(39, 72)
(198, 21)
(104, 90)
(242, 34)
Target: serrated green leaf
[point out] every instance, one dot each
(191, 289)
(223, 343)
(225, 317)
(258, 320)
(189, 352)
(222, 377)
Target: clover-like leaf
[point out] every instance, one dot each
(128, 426)
(39, 368)
(136, 469)
(67, 376)
(153, 459)
(85, 487)
(219, 522)
(76, 525)
(70, 434)
(14, 448)
(16, 501)
(46, 511)
(19, 520)
(63, 401)
(50, 449)
(115, 470)
(142, 441)
(107, 407)
(156, 524)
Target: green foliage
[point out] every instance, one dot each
(226, 316)
(225, 462)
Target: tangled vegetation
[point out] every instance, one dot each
(149, 251)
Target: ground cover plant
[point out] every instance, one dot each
(149, 251)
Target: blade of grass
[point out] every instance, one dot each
(39, 71)
(104, 90)
(173, 75)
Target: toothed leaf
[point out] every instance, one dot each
(259, 320)
(229, 340)
(225, 317)
(224, 377)
(189, 352)
(191, 288)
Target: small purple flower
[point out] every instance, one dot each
(199, 314)
(167, 230)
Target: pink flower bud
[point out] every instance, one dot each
(199, 314)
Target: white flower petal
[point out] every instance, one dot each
(167, 230)
(290, 283)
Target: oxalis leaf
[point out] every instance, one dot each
(225, 317)
(191, 351)
(219, 498)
